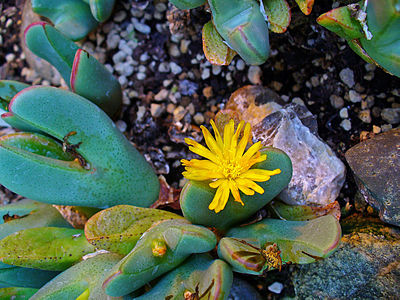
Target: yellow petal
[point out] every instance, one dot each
(243, 142)
(251, 151)
(250, 184)
(259, 175)
(235, 137)
(228, 133)
(235, 192)
(211, 142)
(217, 135)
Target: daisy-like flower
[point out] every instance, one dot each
(227, 165)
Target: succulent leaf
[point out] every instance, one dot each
(25, 277)
(187, 4)
(16, 293)
(196, 195)
(341, 22)
(141, 265)
(45, 248)
(241, 24)
(215, 50)
(73, 17)
(299, 241)
(83, 73)
(101, 9)
(117, 229)
(84, 277)
(278, 13)
(305, 6)
(113, 172)
(200, 275)
(8, 89)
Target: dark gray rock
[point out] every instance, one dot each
(366, 265)
(376, 167)
(243, 290)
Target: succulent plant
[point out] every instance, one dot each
(125, 247)
(241, 27)
(371, 29)
(74, 18)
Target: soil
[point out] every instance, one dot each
(305, 63)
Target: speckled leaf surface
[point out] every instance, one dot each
(305, 6)
(278, 14)
(86, 275)
(179, 240)
(299, 241)
(16, 293)
(117, 229)
(46, 248)
(211, 278)
(215, 50)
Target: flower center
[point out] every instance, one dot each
(230, 170)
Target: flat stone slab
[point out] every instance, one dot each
(376, 167)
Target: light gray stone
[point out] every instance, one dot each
(347, 76)
(318, 175)
(346, 124)
(391, 115)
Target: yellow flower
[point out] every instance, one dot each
(227, 164)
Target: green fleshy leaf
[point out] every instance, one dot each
(215, 50)
(25, 277)
(108, 170)
(299, 241)
(8, 89)
(73, 18)
(196, 196)
(118, 228)
(45, 248)
(145, 262)
(211, 278)
(243, 27)
(187, 4)
(16, 293)
(278, 13)
(86, 276)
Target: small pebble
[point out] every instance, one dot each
(112, 41)
(161, 95)
(347, 77)
(343, 113)
(376, 111)
(240, 65)
(161, 7)
(354, 96)
(208, 92)
(173, 50)
(376, 129)
(184, 46)
(254, 74)
(156, 109)
(140, 113)
(386, 127)
(276, 287)
(216, 69)
(141, 76)
(346, 124)
(143, 28)
(205, 73)
(336, 101)
(164, 67)
(121, 125)
(10, 57)
(365, 116)
(175, 68)
(120, 16)
(391, 115)
(198, 118)
(179, 113)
